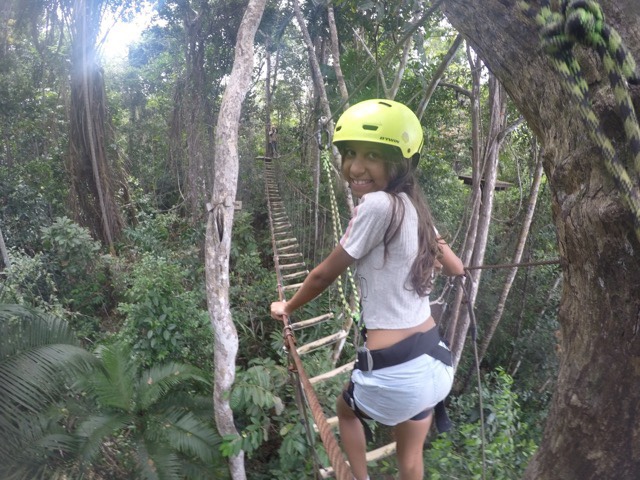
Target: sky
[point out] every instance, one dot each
(123, 34)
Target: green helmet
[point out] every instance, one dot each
(381, 121)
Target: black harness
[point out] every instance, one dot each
(429, 343)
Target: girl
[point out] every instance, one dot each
(402, 370)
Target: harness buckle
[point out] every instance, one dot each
(365, 361)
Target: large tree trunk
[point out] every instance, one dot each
(220, 224)
(592, 431)
(92, 173)
(198, 176)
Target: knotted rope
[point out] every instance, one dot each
(583, 22)
(337, 233)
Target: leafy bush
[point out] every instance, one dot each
(81, 272)
(252, 399)
(32, 192)
(164, 320)
(28, 282)
(508, 442)
(158, 232)
(272, 434)
(252, 288)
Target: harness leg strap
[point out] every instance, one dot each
(347, 395)
(443, 423)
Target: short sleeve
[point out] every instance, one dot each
(367, 227)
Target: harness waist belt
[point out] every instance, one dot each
(411, 347)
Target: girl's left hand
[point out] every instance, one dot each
(278, 310)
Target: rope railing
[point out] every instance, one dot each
(555, 261)
(340, 466)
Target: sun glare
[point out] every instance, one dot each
(119, 34)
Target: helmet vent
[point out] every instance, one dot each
(370, 127)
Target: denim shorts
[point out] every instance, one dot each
(395, 394)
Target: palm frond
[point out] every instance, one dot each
(198, 471)
(155, 462)
(35, 444)
(187, 400)
(22, 328)
(31, 380)
(155, 382)
(114, 384)
(192, 436)
(95, 429)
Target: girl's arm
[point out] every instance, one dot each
(451, 265)
(316, 282)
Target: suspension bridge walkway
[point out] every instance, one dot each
(324, 334)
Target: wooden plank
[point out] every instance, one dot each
(291, 255)
(372, 456)
(301, 273)
(295, 286)
(322, 342)
(291, 265)
(311, 321)
(347, 367)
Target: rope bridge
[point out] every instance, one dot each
(308, 239)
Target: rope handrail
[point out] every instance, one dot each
(336, 458)
(556, 261)
(340, 466)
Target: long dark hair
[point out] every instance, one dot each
(402, 179)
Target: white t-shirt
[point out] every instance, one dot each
(388, 299)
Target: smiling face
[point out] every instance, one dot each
(364, 166)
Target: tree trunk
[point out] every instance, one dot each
(402, 66)
(335, 53)
(485, 171)
(91, 170)
(4, 254)
(592, 430)
(220, 224)
(458, 314)
(198, 177)
(324, 100)
(437, 76)
(268, 147)
(517, 257)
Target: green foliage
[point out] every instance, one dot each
(252, 287)
(161, 416)
(155, 423)
(156, 231)
(39, 357)
(252, 400)
(270, 428)
(508, 442)
(28, 282)
(80, 271)
(164, 320)
(30, 194)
